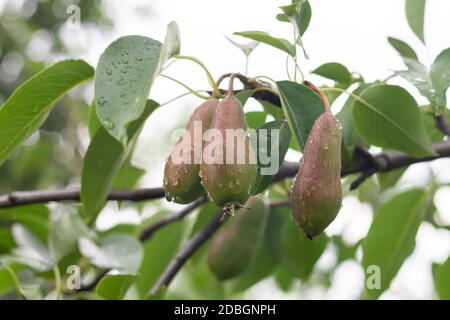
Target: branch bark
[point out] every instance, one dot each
(18, 198)
(183, 255)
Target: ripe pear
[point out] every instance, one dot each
(181, 174)
(316, 196)
(229, 168)
(233, 248)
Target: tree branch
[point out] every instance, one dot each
(149, 231)
(18, 198)
(443, 125)
(183, 255)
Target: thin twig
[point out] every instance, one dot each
(443, 125)
(183, 255)
(150, 230)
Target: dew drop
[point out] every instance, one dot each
(176, 182)
(138, 59)
(109, 124)
(101, 101)
(108, 72)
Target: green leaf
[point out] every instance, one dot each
(441, 277)
(301, 106)
(403, 48)
(243, 96)
(284, 279)
(93, 122)
(102, 162)
(171, 46)
(255, 119)
(27, 108)
(334, 71)
(281, 44)
(64, 235)
(206, 214)
(415, 14)
(299, 254)
(35, 217)
(440, 77)
(391, 238)
(273, 143)
(350, 136)
(128, 176)
(388, 117)
(124, 76)
(6, 241)
(158, 252)
(114, 286)
(119, 251)
(300, 19)
(390, 179)
(262, 266)
(432, 85)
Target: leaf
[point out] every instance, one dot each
(441, 277)
(119, 251)
(440, 77)
(299, 254)
(299, 19)
(244, 95)
(124, 76)
(171, 46)
(262, 266)
(350, 136)
(102, 162)
(432, 84)
(30, 251)
(390, 179)
(206, 214)
(27, 108)
(255, 119)
(334, 71)
(114, 286)
(281, 44)
(391, 238)
(158, 252)
(403, 48)
(93, 122)
(64, 235)
(301, 106)
(273, 143)
(6, 241)
(388, 117)
(34, 217)
(415, 14)
(128, 176)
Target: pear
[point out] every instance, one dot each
(228, 170)
(316, 196)
(233, 248)
(181, 174)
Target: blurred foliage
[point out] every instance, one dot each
(31, 36)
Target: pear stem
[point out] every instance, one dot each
(230, 85)
(319, 91)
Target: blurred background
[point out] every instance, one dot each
(35, 33)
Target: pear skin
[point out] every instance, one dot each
(316, 196)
